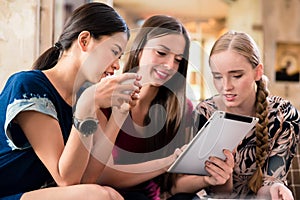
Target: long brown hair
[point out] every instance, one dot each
(173, 101)
(97, 18)
(172, 95)
(244, 45)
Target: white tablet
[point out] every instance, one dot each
(221, 131)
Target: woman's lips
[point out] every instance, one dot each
(105, 74)
(230, 97)
(161, 74)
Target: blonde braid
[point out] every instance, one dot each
(261, 135)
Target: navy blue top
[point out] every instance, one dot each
(20, 168)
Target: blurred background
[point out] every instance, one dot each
(28, 28)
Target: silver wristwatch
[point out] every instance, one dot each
(86, 126)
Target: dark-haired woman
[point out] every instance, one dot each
(41, 140)
(263, 157)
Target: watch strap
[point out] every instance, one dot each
(84, 130)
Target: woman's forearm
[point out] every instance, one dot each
(129, 175)
(189, 184)
(275, 191)
(123, 179)
(103, 145)
(194, 183)
(223, 189)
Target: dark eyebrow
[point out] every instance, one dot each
(168, 49)
(119, 47)
(231, 72)
(236, 71)
(215, 73)
(165, 47)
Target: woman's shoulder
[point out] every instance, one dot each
(281, 107)
(189, 105)
(207, 106)
(28, 84)
(26, 77)
(26, 74)
(279, 103)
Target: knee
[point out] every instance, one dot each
(94, 191)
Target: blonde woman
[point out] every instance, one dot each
(263, 157)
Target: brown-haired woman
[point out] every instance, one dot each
(263, 157)
(159, 124)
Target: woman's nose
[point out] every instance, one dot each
(227, 84)
(116, 65)
(169, 63)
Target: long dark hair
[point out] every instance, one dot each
(172, 95)
(97, 18)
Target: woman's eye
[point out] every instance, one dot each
(238, 76)
(178, 60)
(161, 53)
(115, 52)
(217, 77)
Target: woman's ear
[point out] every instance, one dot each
(83, 40)
(140, 54)
(259, 71)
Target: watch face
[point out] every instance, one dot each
(88, 126)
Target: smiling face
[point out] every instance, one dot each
(160, 58)
(234, 78)
(103, 56)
